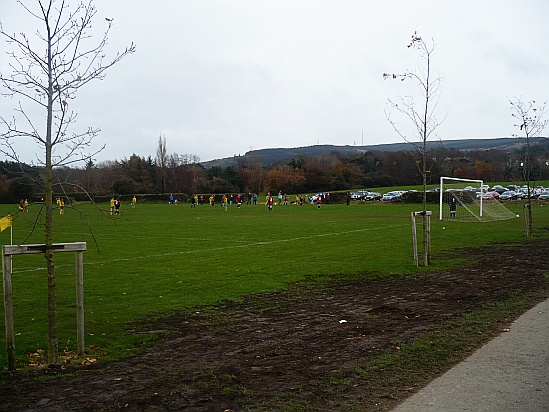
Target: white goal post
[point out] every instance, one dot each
(451, 194)
(468, 200)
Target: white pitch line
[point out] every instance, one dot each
(193, 239)
(216, 249)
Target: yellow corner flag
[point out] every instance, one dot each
(5, 222)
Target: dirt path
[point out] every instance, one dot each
(282, 345)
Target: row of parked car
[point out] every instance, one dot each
(511, 192)
(514, 192)
(365, 195)
(371, 196)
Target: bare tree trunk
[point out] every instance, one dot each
(53, 346)
(529, 229)
(162, 159)
(426, 233)
(530, 224)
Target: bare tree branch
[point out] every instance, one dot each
(71, 68)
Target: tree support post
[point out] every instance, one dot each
(8, 309)
(80, 301)
(414, 239)
(427, 242)
(7, 252)
(527, 213)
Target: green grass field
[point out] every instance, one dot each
(158, 258)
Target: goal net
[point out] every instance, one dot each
(466, 200)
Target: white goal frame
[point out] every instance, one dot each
(457, 180)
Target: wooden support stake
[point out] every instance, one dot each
(526, 213)
(7, 252)
(8, 310)
(414, 239)
(80, 302)
(428, 223)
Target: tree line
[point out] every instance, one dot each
(334, 171)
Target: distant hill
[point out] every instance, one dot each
(270, 156)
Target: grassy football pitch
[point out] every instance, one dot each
(158, 258)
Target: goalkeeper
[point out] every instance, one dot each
(453, 205)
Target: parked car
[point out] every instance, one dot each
(490, 195)
(373, 196)
(359, 195)
(499, 189)
(544, 195)
(533, 192)
(523, 193)
(392, 195)
(509, 195)
(538, 190)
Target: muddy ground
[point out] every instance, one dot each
(275, 348)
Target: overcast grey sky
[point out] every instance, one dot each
(221, 77)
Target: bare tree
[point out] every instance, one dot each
(162, 160)
(531, 124)
(421, 115)
(257, 173)
(45, 73)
